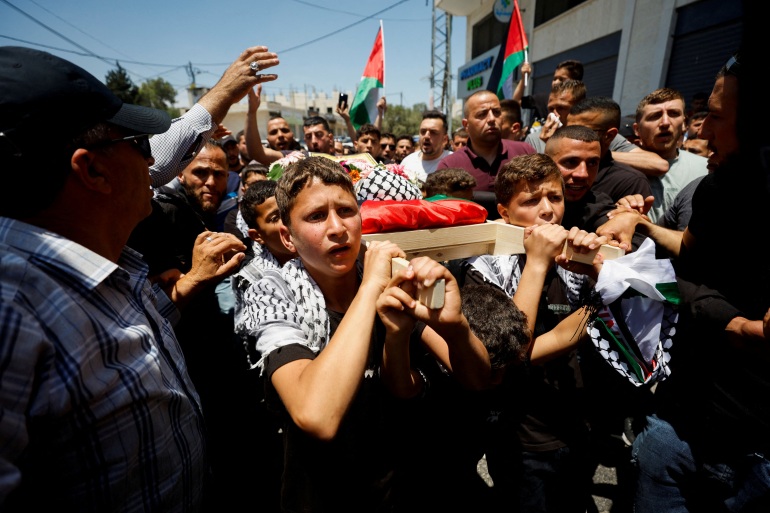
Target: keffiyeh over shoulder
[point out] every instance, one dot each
(289, 308)
(245, 315)
(505, 272)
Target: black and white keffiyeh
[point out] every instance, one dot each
(287, 307)
(244, 315)
(505, 272)
(382, 184)
(240, 223)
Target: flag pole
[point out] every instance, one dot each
(526, 59)
(523, 38)
(382, 31)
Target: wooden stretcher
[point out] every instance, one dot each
(454, 242)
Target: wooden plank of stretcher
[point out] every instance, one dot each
(433, 296)
(454, 242)
(490, 238)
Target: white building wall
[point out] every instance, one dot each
(647, 26)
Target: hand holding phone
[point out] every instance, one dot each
(343, 101)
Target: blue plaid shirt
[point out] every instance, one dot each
(97, 412)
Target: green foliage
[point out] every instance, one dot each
(121, 84)
(159, 94)
(156, 93)
(400, 120)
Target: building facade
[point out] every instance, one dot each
(628, 47)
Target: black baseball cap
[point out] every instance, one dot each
(227, 140)
(44, 94)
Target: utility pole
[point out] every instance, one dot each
(440, 64)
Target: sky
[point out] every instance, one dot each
(322, 45)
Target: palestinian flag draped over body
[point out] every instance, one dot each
(512, 53)
(364, 106)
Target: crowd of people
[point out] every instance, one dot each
(182, 332)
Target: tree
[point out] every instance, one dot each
(403, 120)
(159, 94)
(121, 84)
(156, 93)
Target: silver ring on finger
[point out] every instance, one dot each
(254, 67)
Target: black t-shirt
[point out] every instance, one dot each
(717, 394)
(353, 472)
(541, 404)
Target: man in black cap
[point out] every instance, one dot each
(98, 410)
(233, 152)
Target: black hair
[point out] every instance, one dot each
(317, 120)
(574, 68)
(497, 322)
(254, 196)
(435, 114)
(609, 109)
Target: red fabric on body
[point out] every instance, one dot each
(395, 216)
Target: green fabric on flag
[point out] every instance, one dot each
(513, 50)
(364, 106)
(365, 102)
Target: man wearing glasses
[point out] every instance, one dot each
(99, 411)
(388, 148)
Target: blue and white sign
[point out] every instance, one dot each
(474, 75)
(503, 10)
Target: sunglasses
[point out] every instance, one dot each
(141, 142)
(391, 146)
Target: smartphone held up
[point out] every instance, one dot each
(342, 103)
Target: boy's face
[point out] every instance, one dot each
(325, 229)
(369, 143)
(561, 104)
(559, 76)
(535, 203)
(268, 232)
(251, 180)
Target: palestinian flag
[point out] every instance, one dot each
(364, 106)
(512, 53)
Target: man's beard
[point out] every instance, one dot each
(197, 197)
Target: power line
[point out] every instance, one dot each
(108, 60)
(343, 28)
(76, 28)
(73, 43)
(341, 11)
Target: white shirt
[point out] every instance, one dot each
(417, 167)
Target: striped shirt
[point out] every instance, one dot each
(97, 412)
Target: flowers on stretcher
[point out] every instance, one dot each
(358, 167)
(277, 167)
